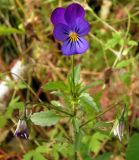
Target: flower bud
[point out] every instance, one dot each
(119, 125)
(120, 130)
(22, 129)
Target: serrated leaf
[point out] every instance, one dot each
(28, 155)
(96, 141)
(86, 100)
(38, 156)
(116, 39)
(46, 118)
(58, 85)
(43, 149)
(132, 151)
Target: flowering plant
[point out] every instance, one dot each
(70, 27)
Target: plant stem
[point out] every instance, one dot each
(27, 85)
(102, 21)
(75, 143)
(25, 111)
(73, 80)
(48, 105)
(118, 56)
(74, 109)
(100, 114)
(102, 43)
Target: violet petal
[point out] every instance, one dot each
(73, 12)
(61, 32)
(58, 16)
(68, 48)
(81, 45)
(81, 26)
(78, 47)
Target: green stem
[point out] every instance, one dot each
(74, 109)
(75, 142)
(100, 114)
(28, 86)
(118, 56)
(102, 43)
(102, 21)
(73, 80)
(25, 111)
(50, 106)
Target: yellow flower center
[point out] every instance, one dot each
(73, 36)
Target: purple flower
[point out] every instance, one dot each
(22, 129)
(70, 27)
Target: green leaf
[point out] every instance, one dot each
(28, 155)
(124, 63)
(132, 151)
(21, 85)
(96, 140)
(75, 124)
(76, 75)
(4, 30)
(3, 120)
(38, 156)
(56, 104)
(97, 82)
(34, 155)
(43, 149)
(105, 156)
(132, 43)
(115, 40)
(58, 93)
(86, 100)
(78, 141)
(14, 104)
(58, 85)
(65, 149)
(47, 118)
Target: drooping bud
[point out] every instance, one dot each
(119, 129)
(119, 125)
(22, 129)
